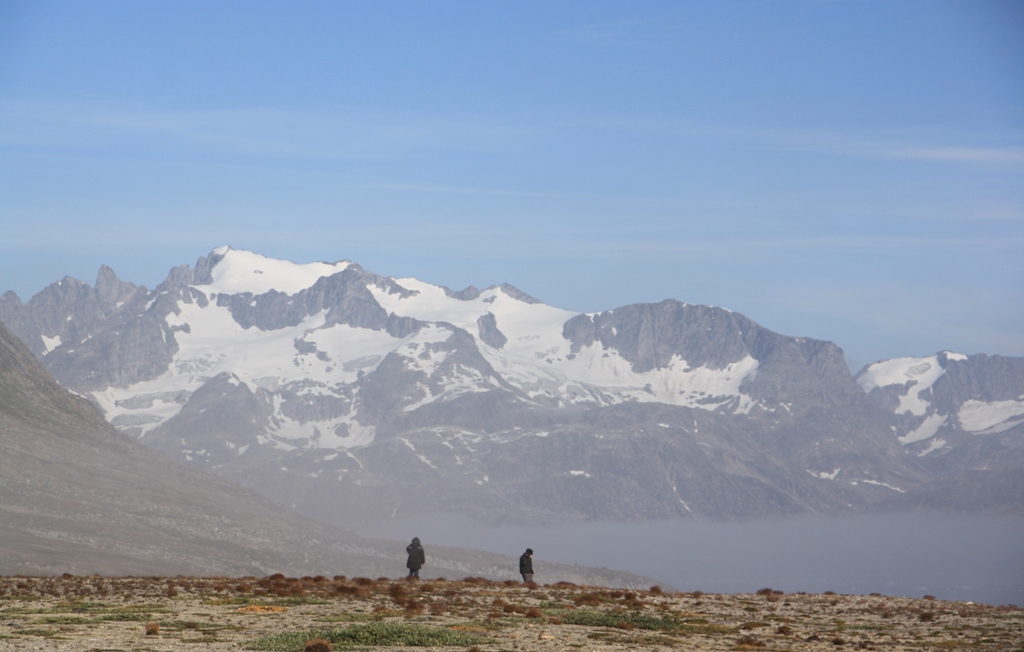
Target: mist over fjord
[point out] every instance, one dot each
(953, 557)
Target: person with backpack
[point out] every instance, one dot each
(526, 566)
(417, 557)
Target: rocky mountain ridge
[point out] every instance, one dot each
(351, 396)
(76, 496)
(963, 418)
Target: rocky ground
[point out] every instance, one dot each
(105, 614)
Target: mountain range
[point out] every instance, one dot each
(352, 397)
(77, 496)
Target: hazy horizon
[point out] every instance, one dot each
(949, 556)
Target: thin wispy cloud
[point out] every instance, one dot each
(963, 154)
(821, 243)
(254, 131)
(629, 34)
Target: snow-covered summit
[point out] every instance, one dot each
(319, 332)
(326, 377)
(243, 271)
(937, 399)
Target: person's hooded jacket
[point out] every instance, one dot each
(417, 557)
(526, 563)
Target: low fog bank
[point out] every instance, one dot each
(952, 557)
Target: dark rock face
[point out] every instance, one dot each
(353, 397)
(489, 332)
(649, 335)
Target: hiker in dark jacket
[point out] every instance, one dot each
(526, 565)
(416, 557)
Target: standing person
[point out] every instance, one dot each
(416, 557)
(526, 566)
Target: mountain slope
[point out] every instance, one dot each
(348, 395)
(963, 418)
(77, 496)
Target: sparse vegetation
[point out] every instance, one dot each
(314, 614)
(372, 634)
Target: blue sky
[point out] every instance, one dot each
(850, 171)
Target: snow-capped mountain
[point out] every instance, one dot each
(963, 417)
(950, 393)
(350, 395)
(80, 497)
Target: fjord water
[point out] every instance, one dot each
(953, 557)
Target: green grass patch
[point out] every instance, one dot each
(294, 602)
(354, 617)
(45, 633)
(179, 625)
(64, 620)
(127, 617)
(222, 601)
(371, 635)
(81, 607)
(593, 618)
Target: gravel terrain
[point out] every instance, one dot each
(94, 613)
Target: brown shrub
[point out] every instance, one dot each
(152, 629)
(397, 591)
(656, 590)
(588, 599)
(317, 645)
(347, 589)
(438, 608)
(413, 607)
(533, 612)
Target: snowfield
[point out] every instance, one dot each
(313, 358)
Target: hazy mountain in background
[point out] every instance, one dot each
(963, 418)
(77, 496)
(355, 397)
